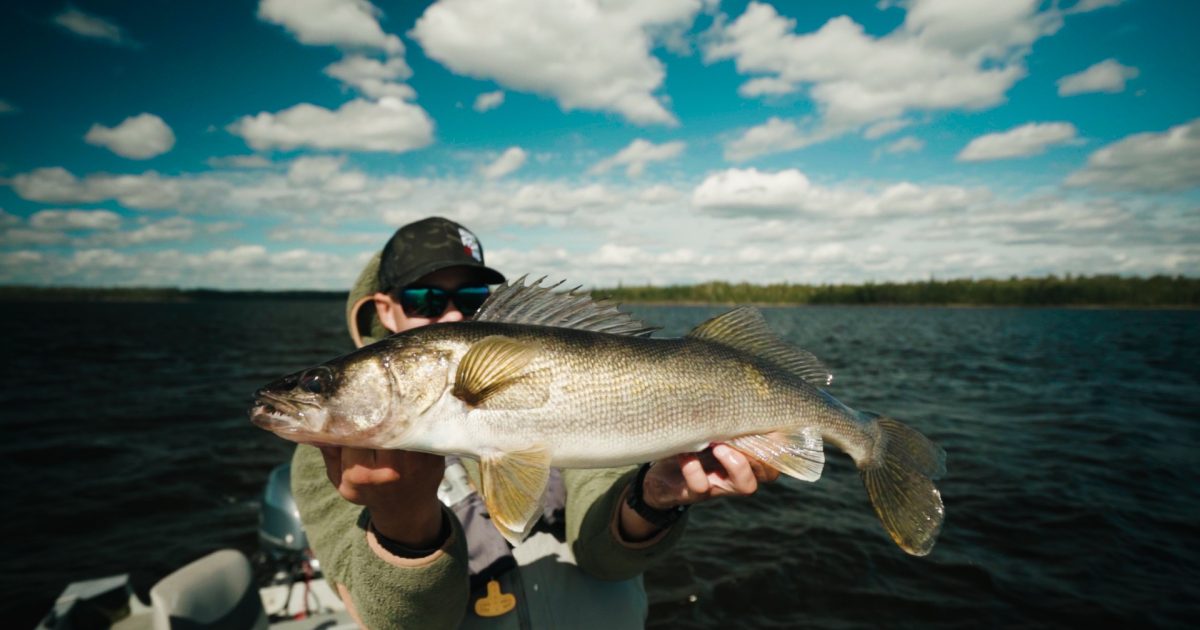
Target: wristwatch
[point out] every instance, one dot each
(636, 502)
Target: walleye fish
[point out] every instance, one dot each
(542, 378)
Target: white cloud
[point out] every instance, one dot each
(583, 53)
(489, 100)
(750, 192)
(637, 154)
(138, 137)
(509, 161)
(948, 54)
(907, 144)
(239, 161)
(766, 86)
(1107, 76)
(390, 125)
(7, 108)
(93, 27)
(1026, 140)
(344, 23)
(1146, 161)
(774, 136)
(373, 78)
(75, 220)
(57, 185)
(885, 127)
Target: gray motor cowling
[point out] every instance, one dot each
(280, 533)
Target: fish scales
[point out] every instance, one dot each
(544, 379)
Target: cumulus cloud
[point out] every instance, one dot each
(1026, 140)
(238, 161)
(1166, 161)
(57, 185)
(637, 154)
(509, 161)
(885, 127)
(946, 55)
(75, 220)
(907, 144)
(489, 100)
(373, 78)
(750, 192)
(138, 137)
(1107, 76)
(583, 53)
(389, 125)
(93, 27)
(344, 23)
(774, 136)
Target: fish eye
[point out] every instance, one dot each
(316, 380)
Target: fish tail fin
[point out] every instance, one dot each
(899, 476)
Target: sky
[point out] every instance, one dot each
(277, 144)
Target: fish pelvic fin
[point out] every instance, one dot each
(494, 374)
(513, 486)
(744, 329)
(798, 453)
(899, 479)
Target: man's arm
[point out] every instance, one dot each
(381, 579)
(611, 541)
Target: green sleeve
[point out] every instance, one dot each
(387, 591)
(593, 498)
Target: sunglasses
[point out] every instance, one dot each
(432, 301)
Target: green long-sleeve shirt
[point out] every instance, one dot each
(432, 592)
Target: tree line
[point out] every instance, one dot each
(1099, 290)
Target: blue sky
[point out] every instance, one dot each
(277, 144)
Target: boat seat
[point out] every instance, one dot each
(216, 591)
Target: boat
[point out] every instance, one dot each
(282, 589)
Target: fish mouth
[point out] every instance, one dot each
(277, 413)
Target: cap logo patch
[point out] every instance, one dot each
(471, 244)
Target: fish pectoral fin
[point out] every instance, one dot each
(513, 485)
(798, 453)
(494, 374)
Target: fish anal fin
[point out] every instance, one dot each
(744, 329)
(797, 453)
(494, 374)
(513, 485)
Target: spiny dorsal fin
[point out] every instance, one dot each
(744, 329)
(516, 303)
(492, 365)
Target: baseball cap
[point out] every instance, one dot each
(427, 246)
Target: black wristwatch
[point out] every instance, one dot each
(659, 518)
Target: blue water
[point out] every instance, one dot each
(1071, 496)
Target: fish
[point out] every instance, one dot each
(543, 378)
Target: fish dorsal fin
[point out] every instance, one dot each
(537, 305)
(744, 329)
(494, 374)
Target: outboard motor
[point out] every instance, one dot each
(280, 534)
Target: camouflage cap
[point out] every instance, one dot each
(429, 245)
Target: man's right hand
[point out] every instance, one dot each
(398, 487)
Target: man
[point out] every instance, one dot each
(407, 541)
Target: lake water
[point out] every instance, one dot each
(1071, 496)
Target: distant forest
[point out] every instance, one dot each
(1105, 290)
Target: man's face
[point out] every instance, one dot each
(392, 314)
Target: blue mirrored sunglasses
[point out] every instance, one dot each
(432, 301)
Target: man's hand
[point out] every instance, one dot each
(691, 478)
(398, 487)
